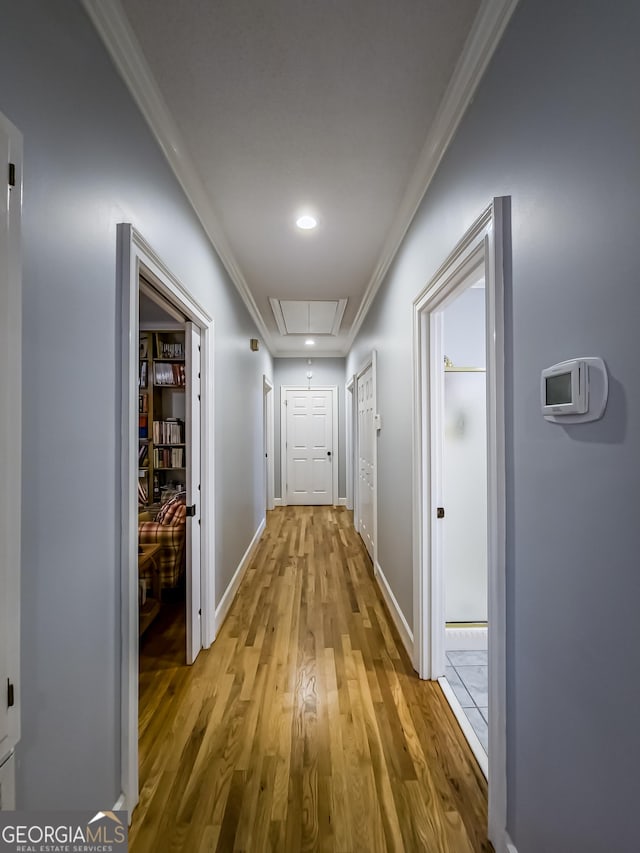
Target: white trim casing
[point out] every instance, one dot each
(226, 601)
(350, 400)
(284, 389)
(118, 37)
(406, 634)
(135, 256)
(10, 438)
(483, 244)
(269, 440)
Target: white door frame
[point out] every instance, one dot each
(350, 399)
(10, 448)
(284, 389)
(136, 257)
(269, 447)
(371, 362)
(482, 245)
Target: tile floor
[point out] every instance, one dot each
(467, 673)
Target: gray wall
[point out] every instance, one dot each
(89, 163)
(326, 371)
(554, 125)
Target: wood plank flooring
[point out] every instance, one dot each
(304, 727)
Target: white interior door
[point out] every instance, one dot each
(192, 439)
(366, 459)
(309, 447)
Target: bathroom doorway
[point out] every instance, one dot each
(479, 257)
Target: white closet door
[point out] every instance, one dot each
(192, 440)
(366, 459)
(309, 447)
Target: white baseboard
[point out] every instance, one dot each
(406, 634)
(227, 599)
(120, 804)
(277, 502)
(510, 846)
(342, 502)
(466, 639)
(465, 725)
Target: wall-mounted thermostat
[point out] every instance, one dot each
(574, 391)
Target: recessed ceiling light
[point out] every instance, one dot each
(309, 343)
(306, 222)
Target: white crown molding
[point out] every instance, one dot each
(484, 37)
(118, 37)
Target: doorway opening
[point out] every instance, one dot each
(167, 556)
(461, 450)
(469, 406)
(166, 458)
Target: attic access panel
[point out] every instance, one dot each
(304, 317)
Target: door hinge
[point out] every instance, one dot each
(12, 174)
(191, 511)
(10, 695)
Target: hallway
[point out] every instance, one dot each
(304, 727)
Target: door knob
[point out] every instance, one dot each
(328, 453)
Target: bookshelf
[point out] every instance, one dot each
(162, 452)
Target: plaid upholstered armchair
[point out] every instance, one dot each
(169, 531)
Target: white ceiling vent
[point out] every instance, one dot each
(317, 317)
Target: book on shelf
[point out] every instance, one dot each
(169, 431)
(143, 426)
(143, 403)
(143, 455)
(168, 348)
(143, 374)
(168, 457)
(143, 493)
(168, 373)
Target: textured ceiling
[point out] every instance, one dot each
(289, 105)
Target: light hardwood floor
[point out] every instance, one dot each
(304, 727)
